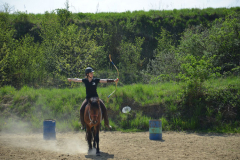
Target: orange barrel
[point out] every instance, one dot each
(49, 131)
(155, 129)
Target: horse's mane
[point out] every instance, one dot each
(94, 103)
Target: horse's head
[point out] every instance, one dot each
(94, 110)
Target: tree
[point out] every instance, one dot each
(7, 8)
(130, 58)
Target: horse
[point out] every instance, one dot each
(92, 119)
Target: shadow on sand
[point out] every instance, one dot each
(207, 134)
(161, 140)
(103, 155)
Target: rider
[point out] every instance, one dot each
(91, 91)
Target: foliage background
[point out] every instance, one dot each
(190, 49)
(42, 50)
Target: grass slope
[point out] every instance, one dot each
(217, 109)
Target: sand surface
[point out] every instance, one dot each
(118, 145)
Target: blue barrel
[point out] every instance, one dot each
(49, 131)
(155, 129)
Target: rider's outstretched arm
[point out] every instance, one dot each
(74, 80)
(108, 80)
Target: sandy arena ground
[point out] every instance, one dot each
(118, 145)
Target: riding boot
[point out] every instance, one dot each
(104, 114)
(82, 109)
(82, 119)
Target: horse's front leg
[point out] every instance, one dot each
(89, 137)
(96, 137)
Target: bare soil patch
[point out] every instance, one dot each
(118, 145)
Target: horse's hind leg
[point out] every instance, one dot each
(94, 140)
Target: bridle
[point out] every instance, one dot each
(93, 115)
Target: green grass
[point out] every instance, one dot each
(222, 83)
(30, 106)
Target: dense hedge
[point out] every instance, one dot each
(44, 49)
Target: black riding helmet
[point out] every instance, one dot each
(88, 70)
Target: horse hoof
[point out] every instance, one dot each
(98, 154)
(90, 152)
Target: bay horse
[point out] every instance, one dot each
(92, 119)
